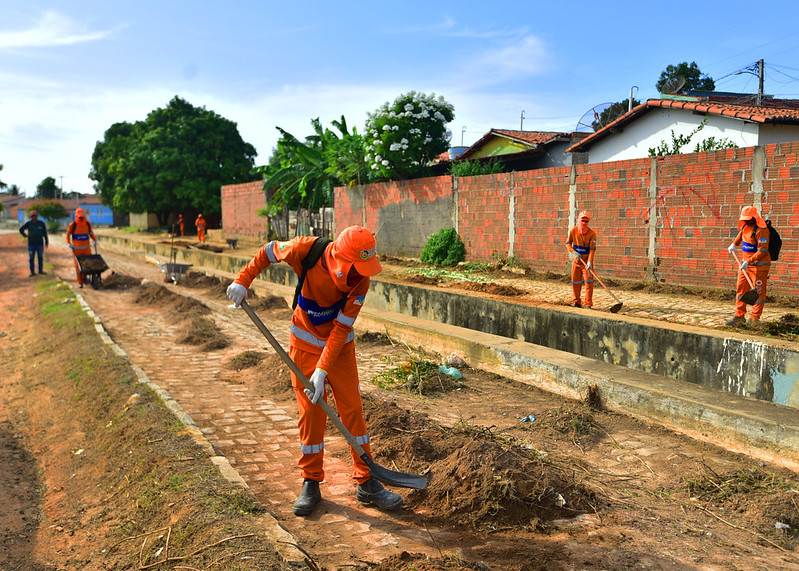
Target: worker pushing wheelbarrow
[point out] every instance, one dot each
(80, 237)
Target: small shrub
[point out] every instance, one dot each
(444, 248)
(477, 167)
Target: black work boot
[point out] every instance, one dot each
(373, 492)
(736, 322)
(309, 497)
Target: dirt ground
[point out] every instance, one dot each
(98, 475)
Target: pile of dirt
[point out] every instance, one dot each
(267, 303)
(151, 293)
(785, 326)
(199, 280)
(481, 481)
(204, 332)
(120, 281)
(489, 287)
(246, 360)
(423, 280)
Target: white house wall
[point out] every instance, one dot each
(656, 126)
(778, 133)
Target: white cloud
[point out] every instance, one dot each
(518, 60)
(53, 29)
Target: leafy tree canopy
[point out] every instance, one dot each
(402, 138)
(47, 188)
(2, 184)
(176, 159)
(14, 190)
(694, 80)
(49, 210)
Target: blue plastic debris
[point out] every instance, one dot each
(451, 371)
(528, 418)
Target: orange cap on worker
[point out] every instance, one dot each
(357, 245)
(584, 214)
(80, 213)
(749, 212)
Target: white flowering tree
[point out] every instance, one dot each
(402, 138)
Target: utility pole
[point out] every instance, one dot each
(760, 82)
(62, 186)
(521, 124)
(630, 104)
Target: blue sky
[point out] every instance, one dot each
(69, 70)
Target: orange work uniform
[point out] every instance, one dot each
(585, 245)
(200, 223)
(754, 245)
(181, 225)
(80, 236)
(322, 337)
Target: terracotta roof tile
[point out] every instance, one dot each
(532, 138)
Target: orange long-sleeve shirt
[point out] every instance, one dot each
(584, 244)
(754, 244)
(319, 324)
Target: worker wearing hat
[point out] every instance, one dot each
(322, 345)
(753, 237)
(80, 238)
(582, 248)
(201, 226)
(181, 225)
(36, 232)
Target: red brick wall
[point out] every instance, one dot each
(693, 212)
(240, 202)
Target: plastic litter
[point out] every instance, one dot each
(528, 418)
(454, 361)
(780, 525)
(451, 371)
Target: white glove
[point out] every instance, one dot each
(237, 293)
(95, 244)
(71, 247)
(318, 382)
(731, 248)
(577, 256)
(589, 265)
(744, 265)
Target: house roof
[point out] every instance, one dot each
(531, 139)
(774, 111)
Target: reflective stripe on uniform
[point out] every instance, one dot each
(362, 439)
(345, 320)
(312, 448)
(308, 337)
(269, 250)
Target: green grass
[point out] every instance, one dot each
(441, 273)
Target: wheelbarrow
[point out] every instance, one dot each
(173, 271)
(91, 266)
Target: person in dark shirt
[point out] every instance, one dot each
(36, 232)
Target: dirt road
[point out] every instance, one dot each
(572, 487)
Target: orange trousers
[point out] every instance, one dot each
(201, 234)
(580, 276)
(80, 252)
(343, 381)
(758, 275)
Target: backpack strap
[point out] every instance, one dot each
(317, 249)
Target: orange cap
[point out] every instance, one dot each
(80, 213)
(749, 212)
(584, 214)
(357, 245)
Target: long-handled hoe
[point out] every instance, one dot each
(750, 297)
(392, 477)
(616, 306)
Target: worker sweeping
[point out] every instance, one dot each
(201, 225)
(80, 238)
(753, 237)
(582, 248)
(322, 345)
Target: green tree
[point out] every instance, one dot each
(3, 185)
(52, 211)
(346, 156)
(14, 190)
(47, 188)
(402, 138)
(176, 159)
(684, 77)
(476, 167)
(612, 113)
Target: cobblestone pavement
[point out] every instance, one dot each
(258, 436)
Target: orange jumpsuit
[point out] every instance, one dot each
(321, 336)
(182, 226)
(81, 236)
(754, 244)
(200, 223)
(585, 245)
